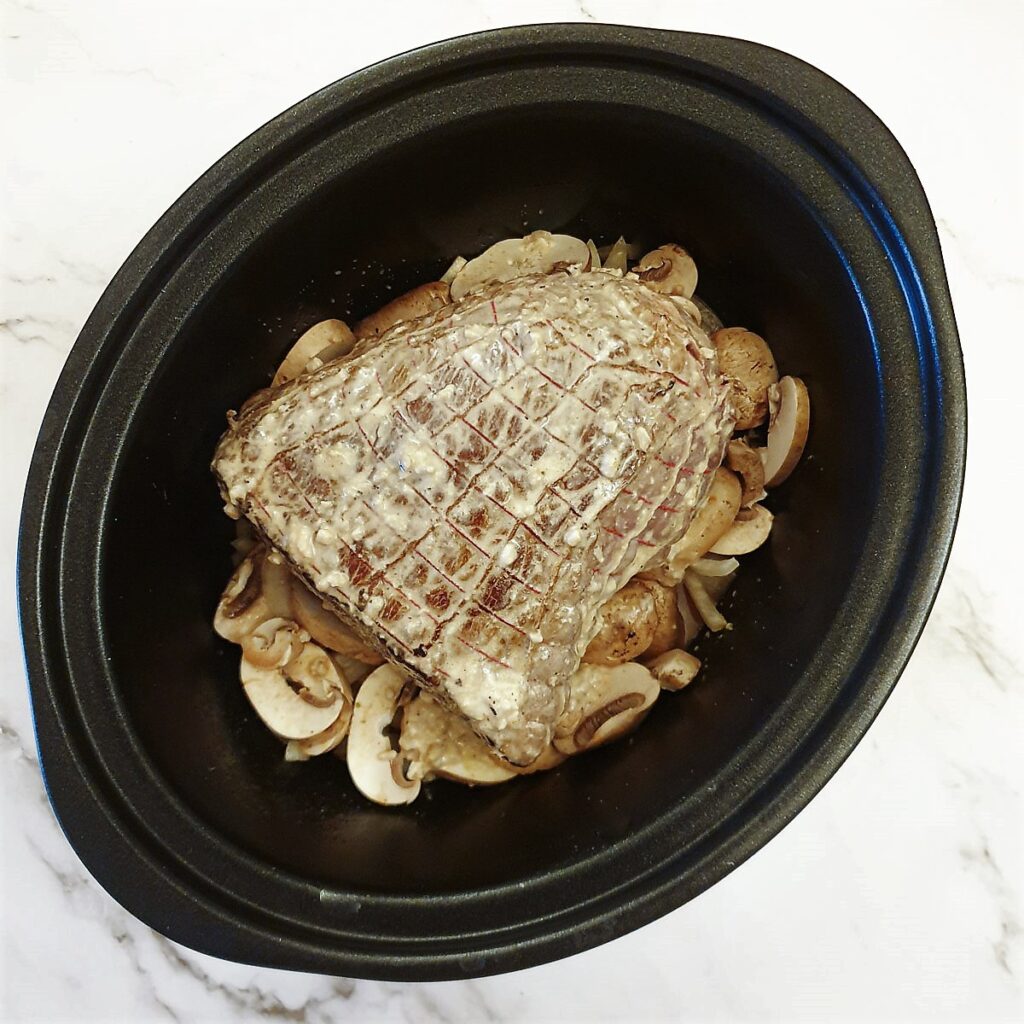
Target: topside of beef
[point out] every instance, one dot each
(469, 489)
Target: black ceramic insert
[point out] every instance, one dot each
(808, 225)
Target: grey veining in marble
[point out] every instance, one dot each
(897, 894)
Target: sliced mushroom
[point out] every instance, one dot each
(449, 275)
(669, 269)
(787, 430)
(595, 256)
(704, 603)
(323, 742)
(538, 253)
(715, 516)
(604, 704)
(746, 462)
(420, 301)
(674, 669)
(747, 533)
(333, 334)
(313, 675)
(298, 701)
(551, 757)
(617, 257)
(628, 621)
(329, 354)
(273, 643)
(325, 627)
(375, 765)
(746, 360)
(256, 592)
(437, 742)
(666, 617)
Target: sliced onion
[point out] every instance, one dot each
(715, 566)
(713, 618)
(692, 624)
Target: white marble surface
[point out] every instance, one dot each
(897, 895)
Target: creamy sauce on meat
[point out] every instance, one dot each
(561, 429)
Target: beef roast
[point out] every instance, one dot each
(466, 490)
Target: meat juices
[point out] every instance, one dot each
(469, 488)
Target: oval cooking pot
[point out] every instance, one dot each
(808, 225)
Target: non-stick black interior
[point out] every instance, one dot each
(765, 262)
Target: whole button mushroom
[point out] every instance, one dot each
(746, 360)
(629, 619)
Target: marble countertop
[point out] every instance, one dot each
(897, 894)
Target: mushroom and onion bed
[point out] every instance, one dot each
(319, 689)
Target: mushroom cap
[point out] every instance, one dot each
(438, 742)
(667, 620)
(537, 253)
(713, 518)
(290, 709)
(351, 670)
(333, 334)
(747, 362)
(669, 269)
(628, 621)
(604, 703)
(787, 430)
(747, 533)
(373, 763)
(419, 301)
(674, 669)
